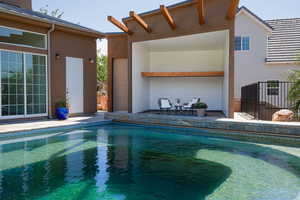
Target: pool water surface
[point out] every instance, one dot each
(122, 162)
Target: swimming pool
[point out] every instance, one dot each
(123, 162)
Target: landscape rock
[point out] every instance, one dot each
(283, 116)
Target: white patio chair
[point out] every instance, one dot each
(189, 105)
(164, 104)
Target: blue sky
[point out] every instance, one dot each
(94, 13)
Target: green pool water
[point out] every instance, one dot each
(120, 162)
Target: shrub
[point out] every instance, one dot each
(61, 104)
(200, 105)
(294, 92)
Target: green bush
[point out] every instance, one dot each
(102, 68)
(200, 105)
(61, 104)
(294, 92)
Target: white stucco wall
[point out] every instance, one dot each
(226, 76)
(140, 85)
(250, 66)
(187, 61)
(210, 90)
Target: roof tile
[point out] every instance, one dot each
(284, 43)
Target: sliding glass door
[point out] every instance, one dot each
(36, 90)
(23, 84)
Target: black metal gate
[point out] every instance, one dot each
(263, 99)
(250, 99)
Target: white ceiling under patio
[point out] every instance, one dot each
(204, 41)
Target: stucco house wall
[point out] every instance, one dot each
(250, 66)
(140, 93)
(76, 46)
(226, 77)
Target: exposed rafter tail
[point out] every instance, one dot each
(165, 12)
(140, 21)
(120, 25)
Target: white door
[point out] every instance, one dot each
(74, 78)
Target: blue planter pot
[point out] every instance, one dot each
(62, 113)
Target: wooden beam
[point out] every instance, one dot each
(141, 22)
(183, 74)
(232, 9)
(119, 25)
(201, 11)
(165, 12)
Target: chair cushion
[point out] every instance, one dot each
(165, 103)
(187, 106)
(194, 100)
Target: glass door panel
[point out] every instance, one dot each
(36, 84)
(12, 84)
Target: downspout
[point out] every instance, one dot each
(49, 70)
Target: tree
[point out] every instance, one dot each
(54, 13)
(294, 92)
(102, 74)
(102, 68)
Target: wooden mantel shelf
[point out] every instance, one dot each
(183, 74)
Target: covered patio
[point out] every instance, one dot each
(181, 68)
(179, 52)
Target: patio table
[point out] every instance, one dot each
(178, 107)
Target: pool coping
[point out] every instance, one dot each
(219, 133)
(248, 127)
(211, 128)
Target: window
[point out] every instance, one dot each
(246, 44)
(273, 88)
(242, 43)
(23, 84)
(22, 38)
(238, 43)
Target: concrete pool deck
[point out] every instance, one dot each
(30, 125)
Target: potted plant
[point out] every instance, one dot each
(62, 110)
(201, 108)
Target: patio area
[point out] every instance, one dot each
(191, 113)
(30, 125)
(181, 69)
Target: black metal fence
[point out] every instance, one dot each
(263, 99)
